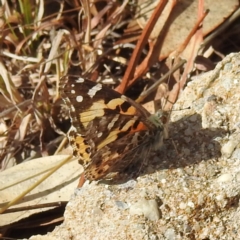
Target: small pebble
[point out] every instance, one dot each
(226, 177)
(228, 148)
(149, 208)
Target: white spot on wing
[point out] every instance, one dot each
(99, 134)
(80, 80)
(73, 109)
(72, 91)
(94, 89)
(79, 98)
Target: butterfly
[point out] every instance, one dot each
(110, 133)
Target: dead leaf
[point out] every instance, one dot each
(58, 187)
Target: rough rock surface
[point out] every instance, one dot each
(190, 190)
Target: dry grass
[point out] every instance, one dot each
(43, 41)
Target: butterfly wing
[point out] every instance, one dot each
(125, 155)
(107, 127)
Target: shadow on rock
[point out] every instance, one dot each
(188, 144)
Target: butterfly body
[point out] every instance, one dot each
(110, 133)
